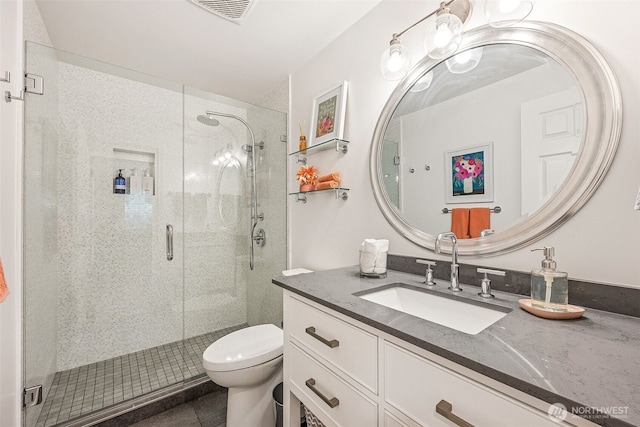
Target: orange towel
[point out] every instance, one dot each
(4, 289)
(460, 222)
(333, 176)
(479, 219)
(327, 184)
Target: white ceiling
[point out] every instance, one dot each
(181, 42)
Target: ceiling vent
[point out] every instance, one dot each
(232, 10)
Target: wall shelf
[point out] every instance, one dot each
(339, 145)
(340, 192)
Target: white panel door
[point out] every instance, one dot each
(550, 139)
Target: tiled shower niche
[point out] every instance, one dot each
(138, 162)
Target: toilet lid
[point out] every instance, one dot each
(247, 347)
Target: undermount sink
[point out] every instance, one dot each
(466, 316)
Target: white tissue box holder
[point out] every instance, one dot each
(373, 264)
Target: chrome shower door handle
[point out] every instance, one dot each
(169, 242)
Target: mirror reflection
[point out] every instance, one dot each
(498, 125)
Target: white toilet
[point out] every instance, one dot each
(249, 363)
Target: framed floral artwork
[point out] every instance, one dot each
(329, 110)
(469, 174)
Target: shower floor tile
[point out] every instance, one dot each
(80, 391)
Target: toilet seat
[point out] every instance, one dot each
(244, 348)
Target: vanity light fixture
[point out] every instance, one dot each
(443, 38)
(444, 33)
(504, 13)
(465, 61)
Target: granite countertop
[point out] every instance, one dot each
(591, 362)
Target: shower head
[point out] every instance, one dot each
(208, 120)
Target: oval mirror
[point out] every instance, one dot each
(524, 121)
(230, 185)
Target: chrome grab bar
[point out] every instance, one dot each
(169, 242)
(311, 330)
(333, 402)
(445, 409)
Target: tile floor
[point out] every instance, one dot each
(206, 411)
(86, 389)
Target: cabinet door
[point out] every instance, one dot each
(415, 386)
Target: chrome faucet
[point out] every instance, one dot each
(455, 283)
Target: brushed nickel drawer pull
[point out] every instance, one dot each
(445, 409)
(312, 331)
(333, 402)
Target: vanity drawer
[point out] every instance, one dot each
(338, 401)
(348, 348)
(429, 384)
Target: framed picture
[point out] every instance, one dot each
(327, 121)
(469, 174)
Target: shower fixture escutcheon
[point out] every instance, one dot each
(260, 237)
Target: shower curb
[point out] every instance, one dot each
(148, 405)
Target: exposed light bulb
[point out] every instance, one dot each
(442, 36)
(395, 60)
(394, 63)
(221, 159)
(508, 6)
(215, 162)
(227, 155)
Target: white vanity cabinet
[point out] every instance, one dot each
(350, 374)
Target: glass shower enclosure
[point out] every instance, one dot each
(123, 292)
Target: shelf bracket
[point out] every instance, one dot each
(341, 194)
(342, 146)
(300, 159)
(301, 198)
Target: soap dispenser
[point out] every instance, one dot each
(119, 183)
(549, 287)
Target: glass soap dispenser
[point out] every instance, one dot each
(549, 287)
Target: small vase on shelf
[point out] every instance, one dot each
(303, 144)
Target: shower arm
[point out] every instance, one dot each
(254, 191)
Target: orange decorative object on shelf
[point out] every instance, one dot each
(308, 177)
(303, 144)
(307, 187)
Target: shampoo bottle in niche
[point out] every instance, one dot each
(135, 183)
(119, 183)
(549, 287)
(147, 183)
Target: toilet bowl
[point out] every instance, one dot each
(249, 363)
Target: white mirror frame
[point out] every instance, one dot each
(602, 100)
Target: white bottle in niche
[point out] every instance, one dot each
(134, 183)
(147, 183)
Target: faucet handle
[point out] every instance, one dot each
(489, 271)
(485, 287)
(429, 273)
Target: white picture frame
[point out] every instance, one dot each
(328, 116)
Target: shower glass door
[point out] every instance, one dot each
(99, 289)
(107, 316)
